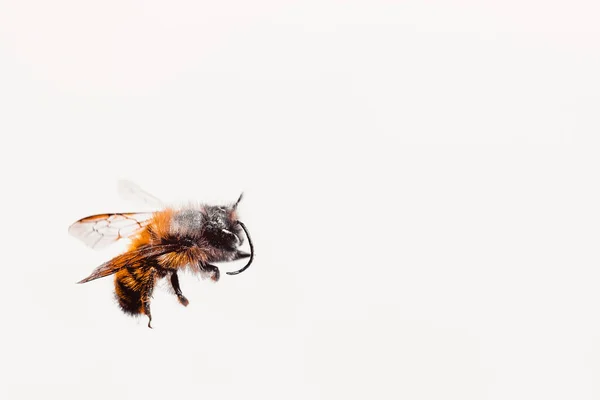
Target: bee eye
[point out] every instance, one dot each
(223, 238)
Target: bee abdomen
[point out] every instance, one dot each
(129, 290)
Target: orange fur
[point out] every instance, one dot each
(158, 227)
(177, 260)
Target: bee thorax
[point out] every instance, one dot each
(187, 222)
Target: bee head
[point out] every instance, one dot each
(224, 231)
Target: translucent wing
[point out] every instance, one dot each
(130, 191)
(133, 259)
(99, 231)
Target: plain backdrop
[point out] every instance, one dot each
(420, 178)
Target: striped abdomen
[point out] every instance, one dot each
(133, 288)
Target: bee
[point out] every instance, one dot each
(163, 243)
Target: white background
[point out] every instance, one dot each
(421, 186)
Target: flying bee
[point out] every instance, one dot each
(162, 244)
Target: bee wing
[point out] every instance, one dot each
(130, 191)
(100, 231)
(137, 258)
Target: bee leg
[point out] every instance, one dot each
(216, 274)
(147, 295)
(177, 289)
(149, 318)
(147, 311)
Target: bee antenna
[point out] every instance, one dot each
(238, 202)
(251, 249)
